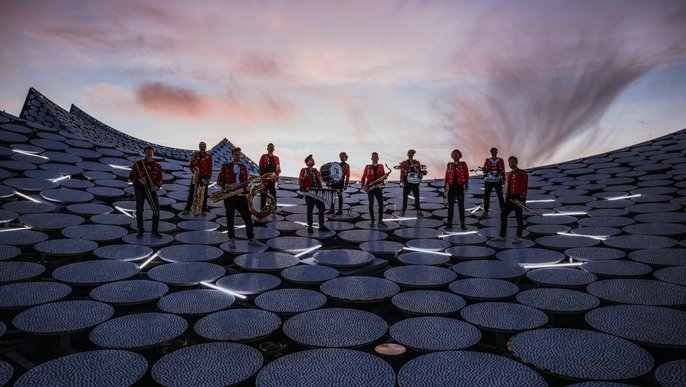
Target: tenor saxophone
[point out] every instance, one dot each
(198, 193)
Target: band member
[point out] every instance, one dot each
(371, 173)
(236, 173)
(517, 185)
(269, 163)
(140, 170)
(494, 170)
(310, 178)
(203, 161)
(456, 185)
(406, 167)
(341, 185)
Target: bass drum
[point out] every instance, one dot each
(332, 173)
(414, 177)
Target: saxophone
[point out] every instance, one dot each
(198, 193)
(270, 206)
(232, 190)
(376, 183)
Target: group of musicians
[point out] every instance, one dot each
(146, 176)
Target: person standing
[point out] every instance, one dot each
(341, 185)
(269, 162)
(456, 185)
(517, 186)
(201, 160)
(372, 173)
(410, 167)
(146, 176)
(494, 170)
(236, 174)
(311, 179)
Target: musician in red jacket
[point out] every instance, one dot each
(203, 162)
(494, 170)
(372, 173)
(311, 179)
(341, 185)
(456, 185)
(410, 172)
(269, 162)
(516, 189)
(236, 173)
(147, 188)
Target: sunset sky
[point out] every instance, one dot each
(546, 80)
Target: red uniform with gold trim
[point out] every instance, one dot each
(305, 178)
(457, 173)
(494, 169)
(203, 162)
(227, 175)
(154, 170)
(517, 183)
(368, 175)
(264, 164)
(405, 168)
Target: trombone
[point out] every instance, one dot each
(148, 187)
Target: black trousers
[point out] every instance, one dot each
(519, 213)
(414, 188)
(339, 194)
(239, 203)
(378, 194)
(311, 203)
(488, 187)
(456, 191)
(271, 188)
(141, 197)
(189, 201)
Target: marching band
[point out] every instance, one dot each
(316, 187)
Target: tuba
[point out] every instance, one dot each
(199, 193)
(270, 206)
(232, 190)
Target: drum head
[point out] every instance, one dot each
(414, 177)
(332, 173)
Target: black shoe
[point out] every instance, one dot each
(324, 229)
(449, 227)
(463, 227)
(331, 212)
(140, 234)
(310, 230)
(371, 223)
(339, 213)
(156, 234)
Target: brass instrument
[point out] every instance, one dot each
(321, 194)
(377, 183)
(148, 186)
(232, 190)
(270, 205)
(446, 193)
(199, 193)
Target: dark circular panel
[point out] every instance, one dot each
(435, 333)
(186, 273)
(420, 276)
(467, 368)
(210, 364)
(335, 328)
(558, 301)
(249, 283)
(489, 269)
(671, 374)
(129, 292)
(195, 302)
(266, 261)
(62, 317)
(503, 316)
(138, 331)
(649, 325)
(639, 292)
(359, 289)
(327, 367)
(92, 368)
(581, 354)
(238, 325)
(290, 301)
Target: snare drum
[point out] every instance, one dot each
(414, 177)
(332, 173)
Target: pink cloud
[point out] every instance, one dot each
(161, 98)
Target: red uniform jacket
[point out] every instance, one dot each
(154, 170)
(457, 173)
(368, 174)
(226, 175)
(204, 164)
(346, 172)
(491, 168)
(305, 178)
(264, 163)
(405, 168)
(517, 183)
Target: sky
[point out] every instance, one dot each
(546, 80)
